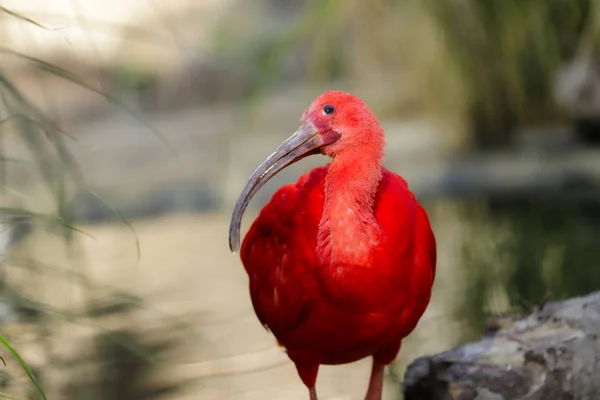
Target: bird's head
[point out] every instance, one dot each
(335, 123)
(341, 122)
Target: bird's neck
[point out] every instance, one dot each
(348, 229)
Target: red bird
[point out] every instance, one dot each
(342, 262)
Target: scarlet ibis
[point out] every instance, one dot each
(341, 263)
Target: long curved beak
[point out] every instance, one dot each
(304, 142)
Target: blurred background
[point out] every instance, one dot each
(128, 129)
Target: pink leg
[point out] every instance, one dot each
(375, 391)
(308, 374)
(380, 359)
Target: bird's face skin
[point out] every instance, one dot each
(334, 123)
(342, 120)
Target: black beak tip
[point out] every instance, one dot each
(234, 241)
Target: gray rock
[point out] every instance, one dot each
(551, 354)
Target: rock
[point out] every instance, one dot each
(551, 354)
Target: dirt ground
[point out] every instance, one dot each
(187, 272)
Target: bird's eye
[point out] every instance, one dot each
(328, 109)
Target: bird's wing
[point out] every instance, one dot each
(406, 224)
(425, 247)
(411, 246)
(278, 254)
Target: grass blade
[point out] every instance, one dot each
(123, 219)
(24, 366)
(9, 396)
(20, 212)
(69, 76)
(26, 19)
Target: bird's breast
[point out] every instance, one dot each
(347, 236)
(361, 287)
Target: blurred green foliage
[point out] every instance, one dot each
(128, 80)
(494, 61)
(527, 250)
(508, 52)
(51, 165)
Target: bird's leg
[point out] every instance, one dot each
(308, 374)
(375, 391)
